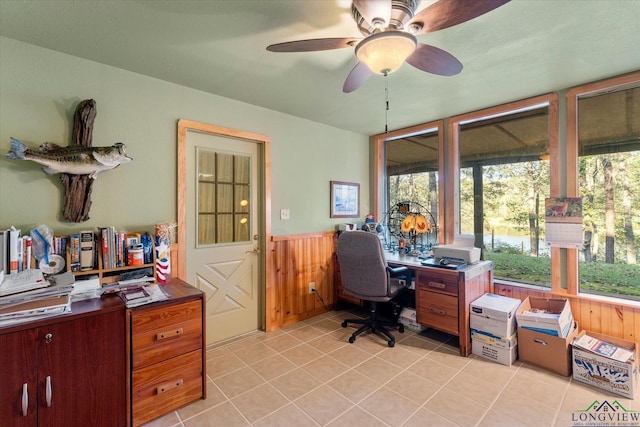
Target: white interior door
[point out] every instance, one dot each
(222, 231)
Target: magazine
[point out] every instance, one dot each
(604, 348)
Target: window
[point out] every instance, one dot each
(411, 185)
(223, 198)
(608, 178)
(504, 180)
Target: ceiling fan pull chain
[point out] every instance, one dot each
(386, 100)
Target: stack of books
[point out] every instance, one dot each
(28, 296)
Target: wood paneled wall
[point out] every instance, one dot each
(294, 262)
(605, 317)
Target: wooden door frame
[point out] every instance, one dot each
(264, 193)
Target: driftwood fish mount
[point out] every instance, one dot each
(78, 164)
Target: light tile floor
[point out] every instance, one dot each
(307, 374)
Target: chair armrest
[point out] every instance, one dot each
(396, 271)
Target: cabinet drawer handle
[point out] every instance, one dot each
(169, 334)
(168, 386)
(25, 400)
(48, 391)
(437, 311)
(437, 285)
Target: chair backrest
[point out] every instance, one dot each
(363, 268)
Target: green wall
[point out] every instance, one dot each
(40, 89)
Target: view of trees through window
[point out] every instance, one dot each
(505, 176)
(609, 184)
(412, 176)
(504, 180)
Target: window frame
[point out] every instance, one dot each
(572, 152)
(564, 157)
(380, 174)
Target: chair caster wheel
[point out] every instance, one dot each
(401, 329)
(344, 324)
(351, 340)
(392, 343)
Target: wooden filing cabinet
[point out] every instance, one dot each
(167, 353)
(443, 298)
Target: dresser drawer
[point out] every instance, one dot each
(164, 332)
(165, 386)
(437, 281)
(437, 310)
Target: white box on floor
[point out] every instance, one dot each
(408, 319)
(500, 342)
(594, 367)
(504, 356)
(494, 314)
(547, 315)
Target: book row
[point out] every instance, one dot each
(117, 248)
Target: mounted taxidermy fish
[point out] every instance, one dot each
(76, 160)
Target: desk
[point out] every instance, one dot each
(443, 296)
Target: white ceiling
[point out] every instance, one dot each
(522, 49)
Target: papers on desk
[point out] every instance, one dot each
(141, 295)
(124, 285)
(22, 281)
(51, 299)
(86, 289)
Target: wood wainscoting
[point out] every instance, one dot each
(294, 262)
(605, 317)
(298, 259)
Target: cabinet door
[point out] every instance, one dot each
(83, 363)
(18, 378)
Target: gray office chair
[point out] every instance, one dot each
(366, 275)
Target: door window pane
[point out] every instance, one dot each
(223, 198)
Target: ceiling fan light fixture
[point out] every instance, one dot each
(385, 52)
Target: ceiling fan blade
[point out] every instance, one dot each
(447, 13)
(356, 77)
(434, 60)
(313, 45)
(374, 11)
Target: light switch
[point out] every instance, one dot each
(284, 213)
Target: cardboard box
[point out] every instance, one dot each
(548, 315)
(494, 314)
(501, 342)
(547, 351)
(408, 319)
(605, 372)
(504, 356)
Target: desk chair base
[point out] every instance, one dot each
(375, 325)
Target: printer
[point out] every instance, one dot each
(462, 249)
(468, 254)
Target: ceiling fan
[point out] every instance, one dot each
(390, 28)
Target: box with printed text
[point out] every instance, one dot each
(494, 314)
(504, 356)
(408, 319)
(605, 362)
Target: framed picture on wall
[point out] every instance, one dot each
(345, 199)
